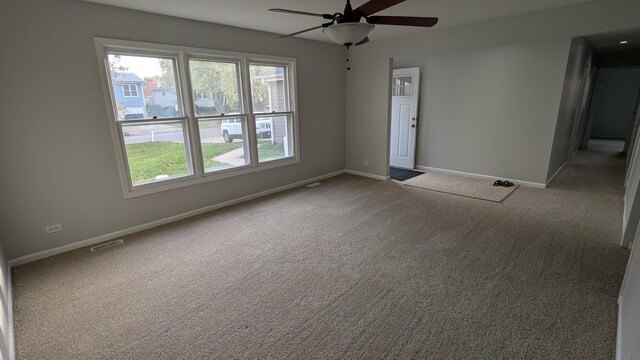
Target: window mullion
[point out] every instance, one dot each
(248, 105)
(190, 114)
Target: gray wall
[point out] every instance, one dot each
(55, 137)
(367, 128)
(488, 111)
(615, 103)
(4, 301)
(581, 57)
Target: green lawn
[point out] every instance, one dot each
(150, 159)
(268, 151)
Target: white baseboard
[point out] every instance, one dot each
(480, 176)
(10, 337)
(556, 173)
(363, 174)
(116, 234)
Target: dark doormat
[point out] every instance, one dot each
(403, 174)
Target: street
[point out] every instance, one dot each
(140, 134)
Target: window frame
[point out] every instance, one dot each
(191, 130)
(287, 113)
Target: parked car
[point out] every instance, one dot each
(232, 129)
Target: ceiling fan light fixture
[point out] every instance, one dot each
(348, 33)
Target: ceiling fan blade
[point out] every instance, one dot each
(373, 6)
(363, 41)
(302, 31)
(295, 12)
(403, 20)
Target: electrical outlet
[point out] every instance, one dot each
(53, 228)
(365, 163)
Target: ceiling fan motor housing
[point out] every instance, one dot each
(348, 33)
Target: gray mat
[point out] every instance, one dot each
(461, 185)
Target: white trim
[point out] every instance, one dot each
(98, 239)
(619, 331)
(480, 176)
(631, 263)
(364, 174)
(11, 344)
(555, 174)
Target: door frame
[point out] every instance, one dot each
(593, 110)
(416, 72)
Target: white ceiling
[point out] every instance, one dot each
(253, 14)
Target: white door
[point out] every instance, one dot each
(405, 86)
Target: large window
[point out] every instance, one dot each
(181, 115)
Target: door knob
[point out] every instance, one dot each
(413, 125)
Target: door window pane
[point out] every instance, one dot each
(216, 87)
(275, 137)
(155, 152)
(223, 145)
(401, 86)
(269, 89)
(144, 87)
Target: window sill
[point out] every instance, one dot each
(152, 188)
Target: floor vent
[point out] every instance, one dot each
(106, 245)
(312, 185)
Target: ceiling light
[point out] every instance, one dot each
(623, 42)
(348, 33)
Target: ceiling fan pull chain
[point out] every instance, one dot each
(348, 65)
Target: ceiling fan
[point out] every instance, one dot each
(347, 29)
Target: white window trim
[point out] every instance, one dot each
(182, 54)
(124, 93)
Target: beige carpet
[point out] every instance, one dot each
(461, 185)
(355, 268)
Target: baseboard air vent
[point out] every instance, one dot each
(106, 245)
(312, 185)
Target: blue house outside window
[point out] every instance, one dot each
(129, 96)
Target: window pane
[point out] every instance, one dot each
(216, 87)
(275, 140)
(155, 152)
(223, 145)
(144, 87)
(269, 88)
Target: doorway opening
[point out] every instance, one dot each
(614, 97)
(613, 107)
